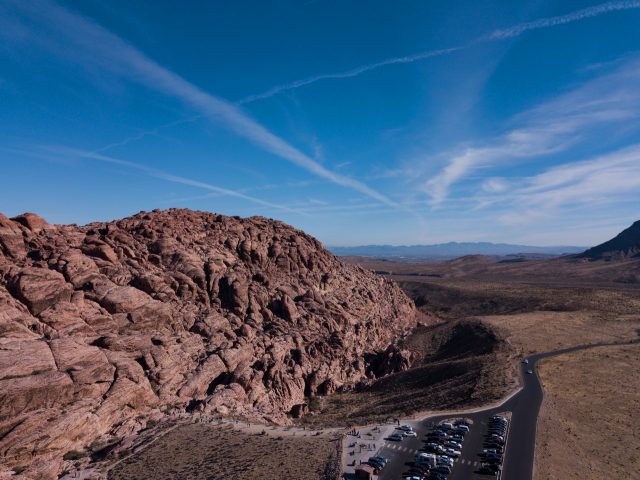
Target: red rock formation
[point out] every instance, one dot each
(106, 324)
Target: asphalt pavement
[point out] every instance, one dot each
(524, 407)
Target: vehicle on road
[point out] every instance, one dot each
(410, 433)
(525, 361)
(405, 428)
(529, 372)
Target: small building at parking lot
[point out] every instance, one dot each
(365, 472)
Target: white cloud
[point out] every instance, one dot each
(495, 185)
(92, 44)
(550, 128)
(169, 177)
(605, 179)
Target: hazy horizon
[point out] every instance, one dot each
(364, 123)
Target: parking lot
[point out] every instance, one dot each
(403, 451)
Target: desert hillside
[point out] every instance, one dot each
(624, 245)
(106, 326)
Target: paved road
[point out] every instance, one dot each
(519, 453)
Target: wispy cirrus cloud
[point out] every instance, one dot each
(601, 180)
(54, 153)
(92, 44)
(554, 126)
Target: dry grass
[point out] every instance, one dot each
(208, 452)
(588, 427)
(544, 331)
(456, 365)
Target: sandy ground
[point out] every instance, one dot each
(358, 449)
(212, 452)
(588, 426)
(536, 332)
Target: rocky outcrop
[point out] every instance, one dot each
(624, 245)
(106, 325)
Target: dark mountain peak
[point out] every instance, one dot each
(624, 245)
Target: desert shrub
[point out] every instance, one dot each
(314, 404)
(74, 455)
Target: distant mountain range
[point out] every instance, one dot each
(444, 251)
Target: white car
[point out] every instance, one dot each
(406, 428)
(450, 452)
(410, 433)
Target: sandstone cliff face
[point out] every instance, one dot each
(105, 326)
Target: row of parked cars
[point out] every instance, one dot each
(492, 454)
(378, 462)
(404, 431)
(443, 444)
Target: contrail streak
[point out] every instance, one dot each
(500, 34)
(348, 74)
(562, 19)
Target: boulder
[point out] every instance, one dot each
(33, 222)
(40, 288)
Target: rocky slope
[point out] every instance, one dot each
(624, 245)
(105, 326)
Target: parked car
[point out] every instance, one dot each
(410, 433)
(487, 470)
(405, 428)
(450, 452)
(396, 437)
(443, 469)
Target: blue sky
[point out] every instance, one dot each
(359, 122)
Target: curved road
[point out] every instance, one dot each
(520, 449)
